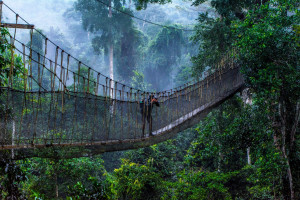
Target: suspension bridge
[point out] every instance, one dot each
(51, 100)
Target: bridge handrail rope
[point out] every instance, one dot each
(53, 105)
(69, 55)
(187, 85)
(122, 91)
(201, 82)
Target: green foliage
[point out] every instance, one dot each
(211, 161)
(11, 177)
(44, 175)
(268, 44)
(130, 181)
(203, 185)
(134, 181)
(12, 72)
(142, 4)
(4, 47)
(103, 189)
(165, 51)
(128, 52)
(269, 50)
(81, 82)
(216, 37)
(268, 168)
(95, 18)
(167, 157)
(6, 53)
(138, 82)
(184, 75)
(116, 32)
(215, 147)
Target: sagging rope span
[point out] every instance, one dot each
(58, 101)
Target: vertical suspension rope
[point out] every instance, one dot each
(74, 82)
(136, 112)
(39, 101)
(12, 46)
(168, 110)
(24, 99)
(85, 112)
(83, 80)
(115, 88)
(95, 109)
(194, 97)
(177, 114)
(88, 86)
(62, 121)
(144, 101)
(68, 64)
(60, 86)
(114, 103)
(55, 67)
(79, 66)
(31, 79)
(106, 88)
(106, 106)
(109, 90)
(97, 84)
(75, 110)
(129, 109)
(55, 97)
(44, 62)
(42, 74)
(39, 72)
(122, 131)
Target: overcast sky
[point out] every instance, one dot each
(41, 13)
(46, 13)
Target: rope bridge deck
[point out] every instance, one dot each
(54, 101)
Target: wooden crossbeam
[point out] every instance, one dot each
(10, 25)
(21, 26)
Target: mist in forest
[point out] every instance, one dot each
(62, 23)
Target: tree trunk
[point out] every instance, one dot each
(248, 156)
(56, 185)
(247, 99)
(219, 159)
(13, 138)
(220, 130)
(109, 9)
(286, 144)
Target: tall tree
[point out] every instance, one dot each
(268, 43)
(110, 27)
(128, 50)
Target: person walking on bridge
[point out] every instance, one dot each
(146, 106)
